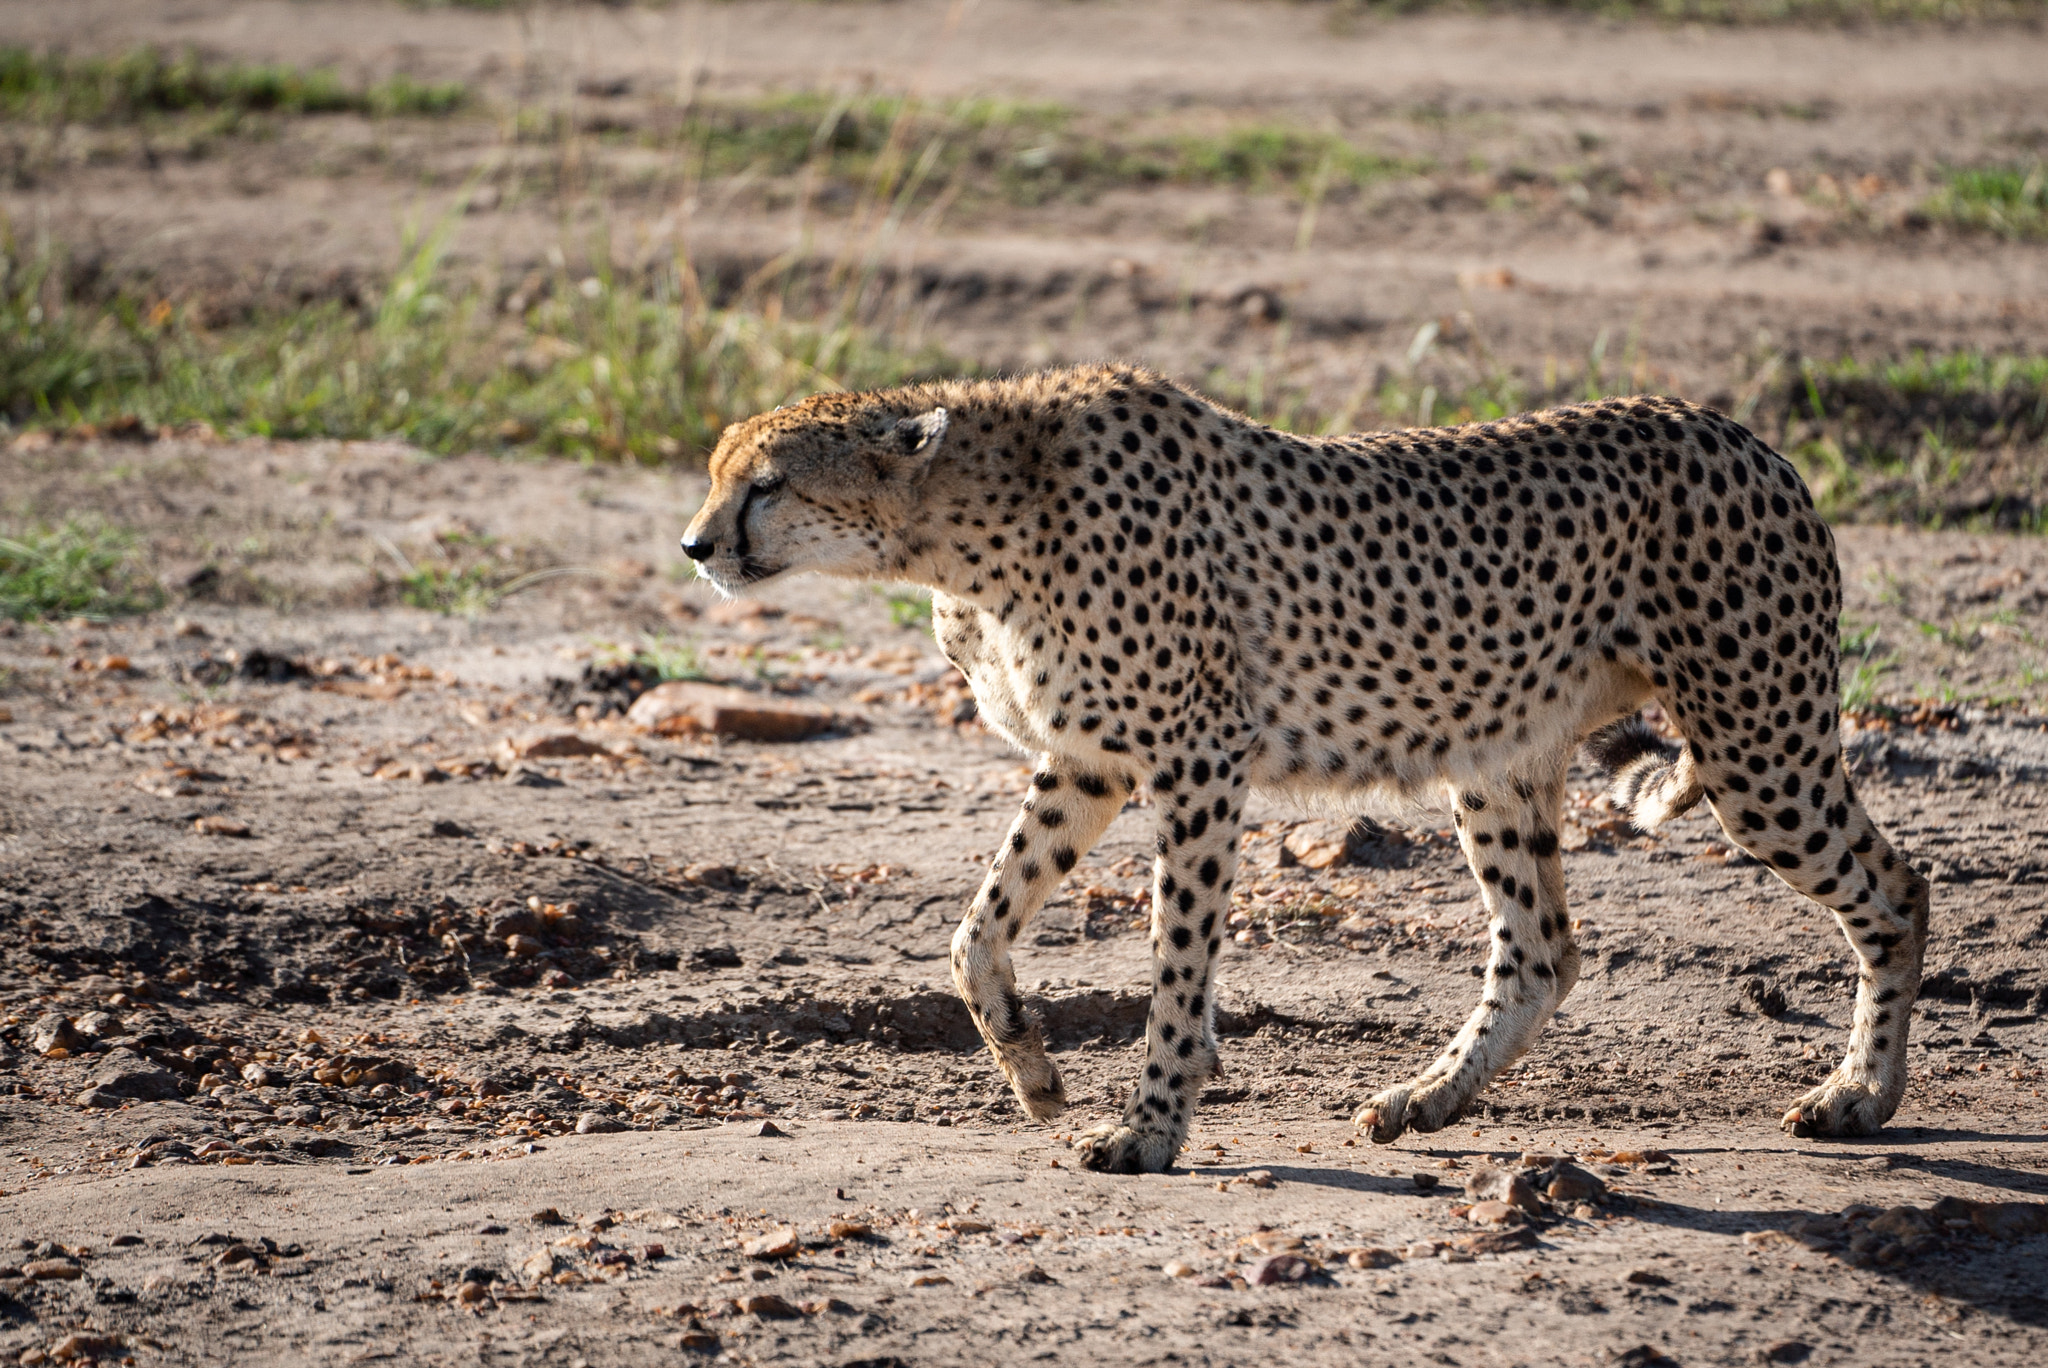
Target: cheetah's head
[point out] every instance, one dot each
(827, 485)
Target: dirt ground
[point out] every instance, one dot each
(758, 933)
(545, 1039)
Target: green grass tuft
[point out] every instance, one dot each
(81, 569)
(2011, 201)
(54, 88)
(602, 366)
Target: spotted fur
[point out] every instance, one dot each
(1148, 590)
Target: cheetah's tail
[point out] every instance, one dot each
(1652, 781)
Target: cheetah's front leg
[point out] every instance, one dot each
(1066, 812)
(1198, 827)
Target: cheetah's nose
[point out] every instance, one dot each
(697, 549)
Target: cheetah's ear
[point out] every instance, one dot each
(913, 442)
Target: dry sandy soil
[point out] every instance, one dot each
(261, 851)
(759, 933)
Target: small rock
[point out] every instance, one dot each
(597, 1123)
(446, 828)
(1643, 1277)
(683, 707)
(710, 875)
(1492, 1212)
(827, 1306)
(548, 1216)
(551, 746)
(51, 1270)
(848, 1230)
(1784, 1351)
(1273, 1241)
(1180, 1268)
(929, 1280)
(776, 1244)
(1421, 1249)
(55, 1031)
(768, 1306)
(1258, 1178)
(1488, 1183)
(523, 947)
(1424, 1182)
(1570, 1183)
(513, 921)
(770, 1128)
(1275, 1269)
(220, 826)
(540, 1265)
(1372, 1258)
(1585, 1211)
(470, 1293)
(237, 1254)
(125, 1076)
(83, 1345)
(1495, 1242)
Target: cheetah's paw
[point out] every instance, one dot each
(1117, 1148)
(1385, 1117)
(1838, 1108)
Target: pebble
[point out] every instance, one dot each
(597, 1123)
(1180, 1268)
(1281, 1268)
(83, 1345)
(1424, 1182)
(1489, 1184)
(1372, 1258)
(929, 1280)
(51, 1270)
(55, 1031)
(768, 1306)
(1273, 1241)
(848, 1230)
(548, 1216)
(776, 1244)
(1570, 1183)
(1492, 1212)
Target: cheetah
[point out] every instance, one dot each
(1146, 589)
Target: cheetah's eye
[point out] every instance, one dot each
(768, 485)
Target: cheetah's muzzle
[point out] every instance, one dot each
(1145, 589)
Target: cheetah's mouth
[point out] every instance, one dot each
(733, 574)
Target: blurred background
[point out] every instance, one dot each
(603, 230)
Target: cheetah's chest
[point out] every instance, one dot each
(1015, 692)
